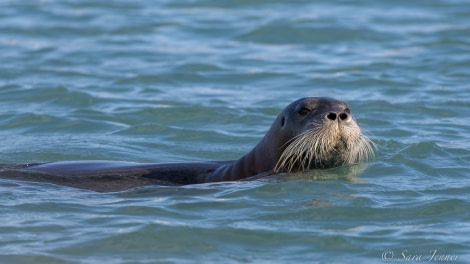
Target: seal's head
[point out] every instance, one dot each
(319, 132)
(310, 133)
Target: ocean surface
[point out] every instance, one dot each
(197, 80)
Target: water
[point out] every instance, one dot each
(203, 80)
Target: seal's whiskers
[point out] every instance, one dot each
(323, 145)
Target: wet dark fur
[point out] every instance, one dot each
(310, 133)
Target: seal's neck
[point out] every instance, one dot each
(260, 159)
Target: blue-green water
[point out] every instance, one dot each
(203, 80)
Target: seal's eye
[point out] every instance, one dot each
(303, 111)
(347, 110)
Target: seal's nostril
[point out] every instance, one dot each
(331, 116)
(343, 116)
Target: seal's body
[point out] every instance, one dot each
(310, 133)
(106, 176)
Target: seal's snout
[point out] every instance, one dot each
(337, 116)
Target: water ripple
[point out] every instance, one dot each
(203, 80)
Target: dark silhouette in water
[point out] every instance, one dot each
(310, 133)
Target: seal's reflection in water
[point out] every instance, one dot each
(336, 192)
(346, 173)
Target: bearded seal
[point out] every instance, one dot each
(310, 133)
